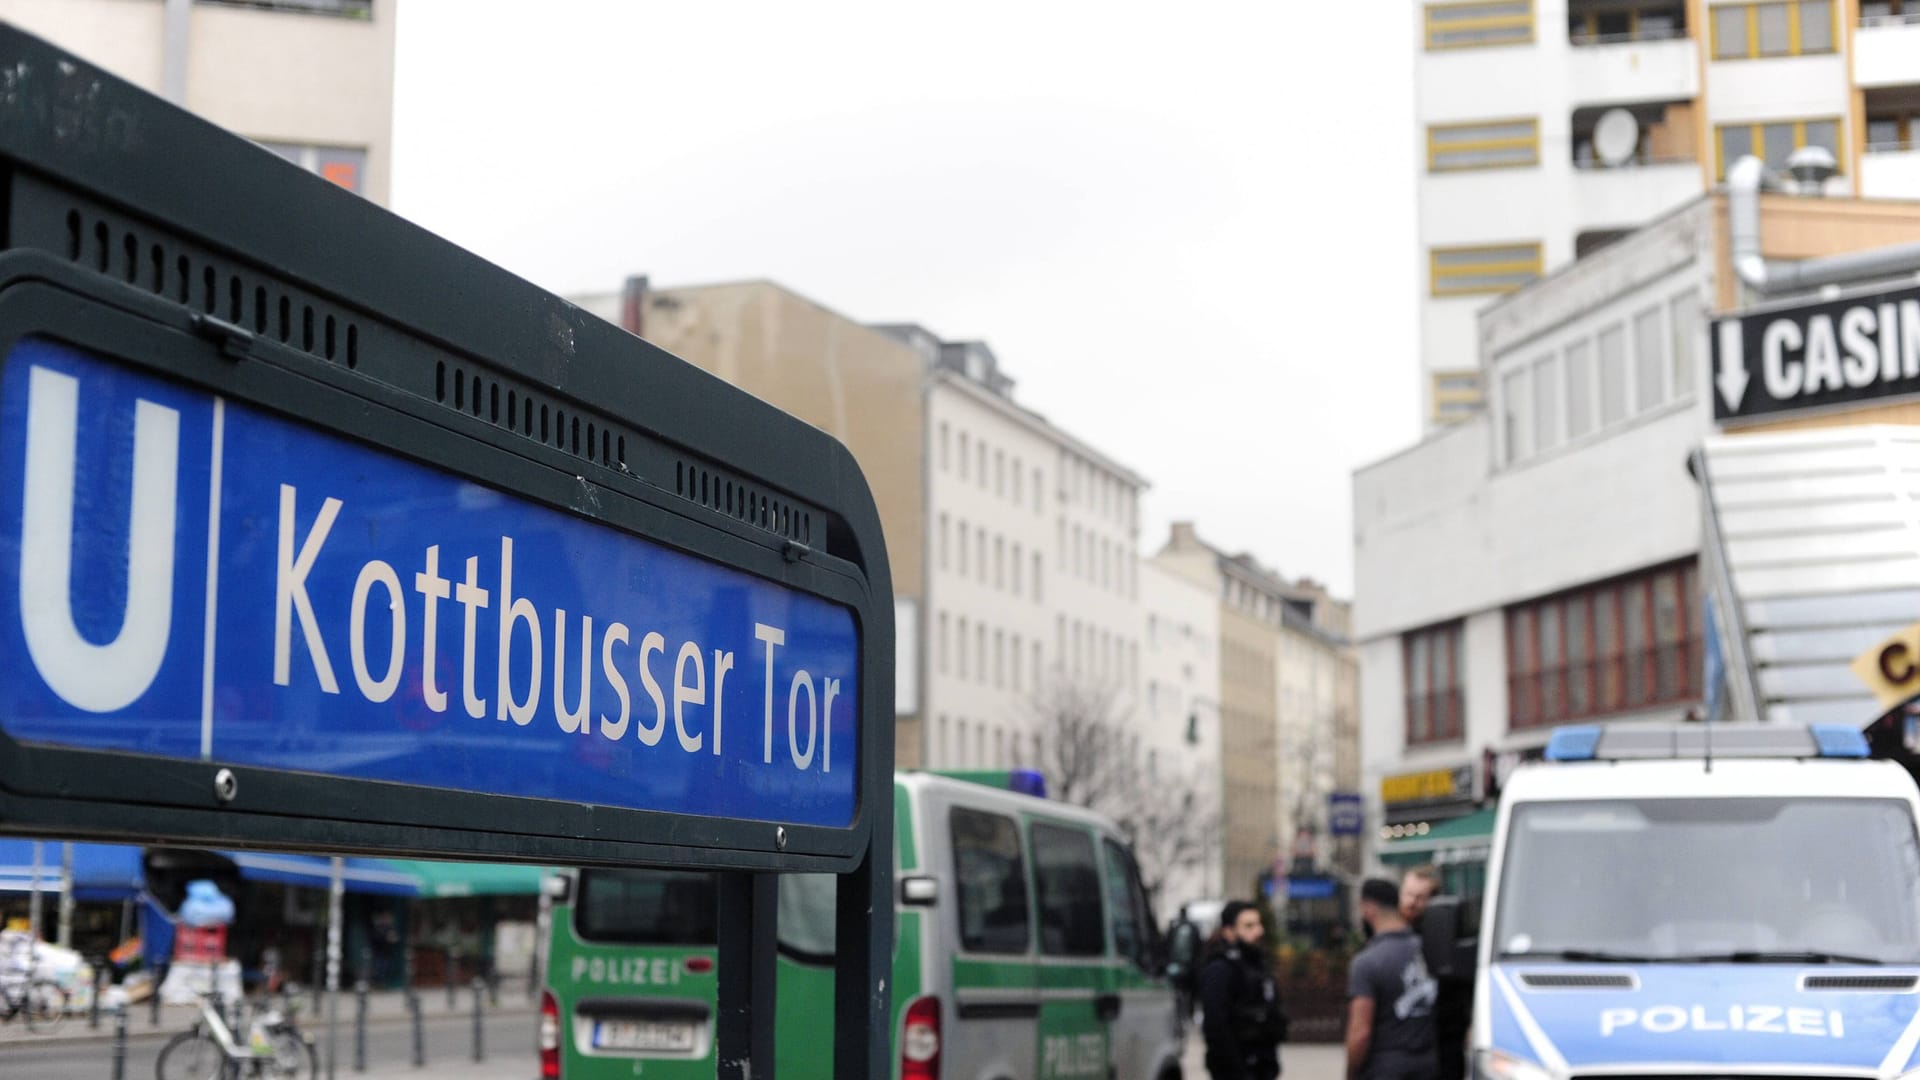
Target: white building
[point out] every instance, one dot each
(312, 80)
(1033, 584)
(1180, 716)
(1522, 176)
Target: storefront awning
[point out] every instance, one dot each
(380, 877)
(444, 879)
(101, 872)
(1472, 832)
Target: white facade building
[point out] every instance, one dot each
(1537, 563)
(1180, 714)
(311, 80)
(1033, 584)
(1521, 176)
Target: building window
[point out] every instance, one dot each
(1015, 657)
(1436, 706)
(1018, 473)
(943, 643)
(1456, 395)
(1514, 418)
(966, 454)
(342, 165)
(999, 562)
(1546, 403)
(980, 550)
(1038, 488)
(1879, 12)
(980, 650)
(1613, 375)
(1775, 141)
(1036, 577)
(944, 436)
(1015, 564)
(981, 449)
(1487, 144)
(1891, 131)
(1683, 323)
(1778, 28)
(1649, 360)
(999, 659)
(1631, 643)
(945, 528)
(1579, 358)
(1467, 271)
(1479, 23)
(1000, 472)
(962, 547)
(1610, 25)
(960, 653)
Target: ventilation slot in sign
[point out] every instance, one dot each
(742, 502)
(515, 409)
(209, 287)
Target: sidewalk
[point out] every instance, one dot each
(383, 1007)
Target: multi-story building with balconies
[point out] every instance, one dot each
(1553, 127)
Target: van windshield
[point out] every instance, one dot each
(1703, 878)
(674, 907)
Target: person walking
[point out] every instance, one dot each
(1390, 1025)
(1453, 1004)
(1241, 1018)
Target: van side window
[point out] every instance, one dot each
(992, 879)
(1132, 921)
(1068, 881)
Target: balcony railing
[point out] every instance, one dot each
(1892, 146)
(1582, 39)
(1637, 679)
(351, 9)
(1904, 19)
(1638, 161)
(1438, 716)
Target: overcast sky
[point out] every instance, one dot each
(1186, 230)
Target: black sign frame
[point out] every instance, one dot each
(147, 235)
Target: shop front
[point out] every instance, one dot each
(1437, 817)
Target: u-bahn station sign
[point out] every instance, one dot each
(1802, 356)
(317, 532)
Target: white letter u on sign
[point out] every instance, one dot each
(97, 678)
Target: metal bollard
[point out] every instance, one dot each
(153, 1000)
(419, 1033)
(120, 1043)
(360, 1026)
(479, 1048)
(99, 987)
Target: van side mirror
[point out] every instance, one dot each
(1450, 936)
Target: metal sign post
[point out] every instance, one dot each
(318, 533)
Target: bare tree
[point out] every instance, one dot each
(1090, 753)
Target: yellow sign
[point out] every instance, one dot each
(1427, 786)
(1892, 668)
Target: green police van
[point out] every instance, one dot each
(1025, 948)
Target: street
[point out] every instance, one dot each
(507, 1038)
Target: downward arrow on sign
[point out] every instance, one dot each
(1732, 377)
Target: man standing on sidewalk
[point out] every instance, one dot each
(1239, 1002)
(1390, 1032)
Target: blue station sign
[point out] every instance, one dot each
(190, 577)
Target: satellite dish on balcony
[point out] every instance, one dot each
(1616, 136)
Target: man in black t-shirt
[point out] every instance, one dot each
(1390, 1032)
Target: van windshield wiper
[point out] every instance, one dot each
(1777, 956)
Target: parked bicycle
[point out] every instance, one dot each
(41, 1003)
(273, 1046)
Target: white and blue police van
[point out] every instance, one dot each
(1684, 900)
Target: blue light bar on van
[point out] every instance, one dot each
(1630, 742)
(1028, 782)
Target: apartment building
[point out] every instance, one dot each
(1543, 562)
(1180, 713)
(1551, 128)
(311, 80)
(1033, 599)
(1279, 745)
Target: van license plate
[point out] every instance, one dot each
(670, 1036)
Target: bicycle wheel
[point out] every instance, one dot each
(191, 1055)
(46, 1006)
(293, 1057)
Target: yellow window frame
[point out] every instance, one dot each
(1438, 275)
(1525, 142)
(1794, 45)
(1758, 129)
(1491, 22)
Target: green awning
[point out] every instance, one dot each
(1472, 831)
(443, 879)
